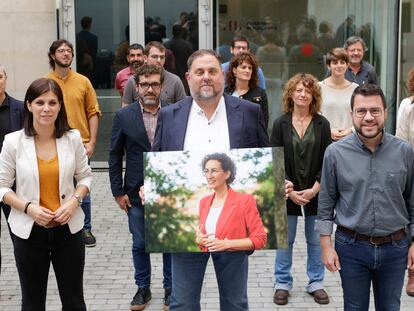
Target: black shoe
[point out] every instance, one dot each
(141, 299)
(167, 298)
(88, 238)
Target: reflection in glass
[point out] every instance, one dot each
(102, 33)
(175, 24)
(294, 36)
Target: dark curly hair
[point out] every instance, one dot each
(235, 62)
(55, 45)
(226, 163)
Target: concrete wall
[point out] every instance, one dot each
(27, 29)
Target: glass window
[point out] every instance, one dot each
(102, 39)
(293, 36)
(407, 46)
(175, 24)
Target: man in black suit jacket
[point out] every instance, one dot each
(133, 132)
(10, 120)
(209, 120)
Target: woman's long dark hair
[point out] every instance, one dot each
(235, 62)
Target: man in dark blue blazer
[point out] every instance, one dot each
(10, 120)
(133, 132)
(209, 120)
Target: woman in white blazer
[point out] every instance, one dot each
(43, 159)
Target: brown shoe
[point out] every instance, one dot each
(410, 284)
(280, 297)
(320, 296)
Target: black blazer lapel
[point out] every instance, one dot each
(138, 123)
(16, 109)
(234, 121)
(181, 113)
(287, 128)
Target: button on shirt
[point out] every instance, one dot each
(207, 134)
(371, 193)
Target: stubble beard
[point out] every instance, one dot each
(375, 134)
(136, 64)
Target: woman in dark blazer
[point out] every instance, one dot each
(304, 134)
(242, 82)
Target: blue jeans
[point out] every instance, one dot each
(188, 273)
(86, 207)
(142, 262)
(283, 262)
(363, 263)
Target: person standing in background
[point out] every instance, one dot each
(82, 110)
(11, 120)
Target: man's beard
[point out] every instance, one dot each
(149, 101)
(205, 95)
(136, 64)
(62, 64)
(358, 129)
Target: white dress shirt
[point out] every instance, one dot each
(207, 134)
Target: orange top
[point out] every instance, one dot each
(49, 183)
(80, 101)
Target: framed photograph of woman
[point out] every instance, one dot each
(203, 201)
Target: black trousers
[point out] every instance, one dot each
(66, 251)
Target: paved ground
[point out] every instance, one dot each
(109, 283)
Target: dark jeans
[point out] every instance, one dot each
(142, 262)
(86, 207)
(66, 251)
(188, 271)
(363, 263)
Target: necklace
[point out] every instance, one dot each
(301, 124)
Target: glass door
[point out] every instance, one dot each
(116, 24)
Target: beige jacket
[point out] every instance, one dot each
(18, 163)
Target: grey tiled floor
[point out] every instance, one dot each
(109, 283)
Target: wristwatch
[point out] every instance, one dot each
(78, 198)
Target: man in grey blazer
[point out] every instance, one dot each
(209, 120)
(10, 120)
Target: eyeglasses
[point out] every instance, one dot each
(61, 51)
(145, 86)
(361, 112)
(241, 47)
(213, 171)
(160, 57)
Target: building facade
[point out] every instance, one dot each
(274, 28)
